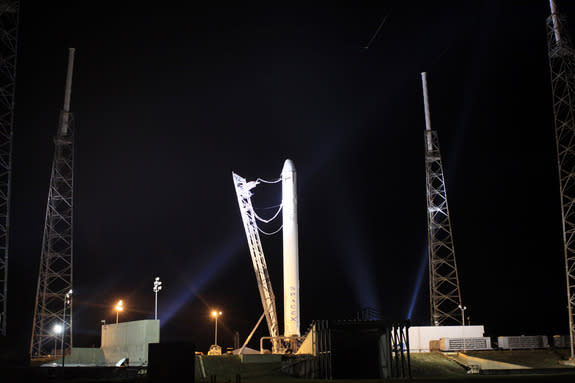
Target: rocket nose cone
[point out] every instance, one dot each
(288, 166)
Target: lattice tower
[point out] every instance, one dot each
(444, 292)
(562, 69)
(9, 11)
(52, 307)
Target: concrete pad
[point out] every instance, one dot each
(487, 364)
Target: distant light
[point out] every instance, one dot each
(216, 314)
(119, 307)
(57, 329)
(157, 285)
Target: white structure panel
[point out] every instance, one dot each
(465, 344)
(522, 342)
(129, 340)
(420, 336)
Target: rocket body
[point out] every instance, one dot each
(290, 251)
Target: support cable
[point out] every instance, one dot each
(266, 233)
(268, 182)
(267, 207)
(270, 219)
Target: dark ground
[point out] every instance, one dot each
(426, 367)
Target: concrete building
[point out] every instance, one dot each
(122, 343)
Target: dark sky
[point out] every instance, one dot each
(169, 101)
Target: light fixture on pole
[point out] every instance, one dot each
(157, 287)
(57, 330)
(119, 307)
(67, 302)
(216, 315)
(463, 308)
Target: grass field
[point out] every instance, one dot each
(425, 368)
(435, 365)
(545, 358)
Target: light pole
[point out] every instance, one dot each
(463, 308)
(67, 301)
(57, 330)
(157, 287)
(119, 307)
(216, 314)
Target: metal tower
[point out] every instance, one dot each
(562, 69)
(9, 11)
(444, 294)
(53, 309)
(258, 259)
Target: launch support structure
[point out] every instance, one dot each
(9, 15)
(562, 70)
(444, 293)
(53, 308)
(290, 256)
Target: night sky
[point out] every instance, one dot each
(169, 101)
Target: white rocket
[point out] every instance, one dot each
(290, 251)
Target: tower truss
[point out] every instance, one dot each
(53, 308)
(9, 11)
(562, 70)
(444, 292)
(257, 253)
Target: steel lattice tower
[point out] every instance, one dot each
(9, 11)
(257, 253)
(562, 69)
(444, 293)
(53, 306)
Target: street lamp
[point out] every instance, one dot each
(57, 330)
(463, 308)
(216, 314)
(119, 307)
(157, 287)
(67, 302)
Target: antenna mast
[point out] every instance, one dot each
(9, 11)
(562, 70)
(53, 304)
(444, 293)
